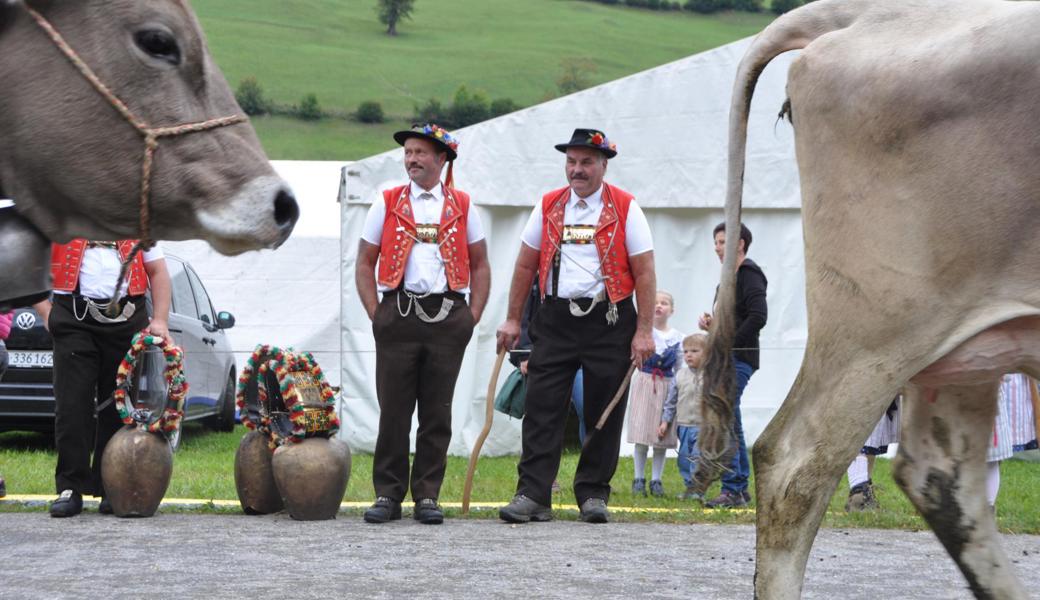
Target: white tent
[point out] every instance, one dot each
(289, 296)
(670, 127)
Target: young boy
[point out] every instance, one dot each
(684, 407)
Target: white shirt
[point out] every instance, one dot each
(664, 340)
(580, 268)
(100, 268)
(424, 271)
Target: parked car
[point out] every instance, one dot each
(27, 393)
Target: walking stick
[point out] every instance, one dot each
(610, 407)
(488, 418)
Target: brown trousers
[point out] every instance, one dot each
(417, 363)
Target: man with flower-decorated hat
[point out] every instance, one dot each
(428, 242)
(590, 246)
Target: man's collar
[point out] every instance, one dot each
(591, 200)
(417, 189)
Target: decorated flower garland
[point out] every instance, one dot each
(296, 422)
(599, 139)
(442, 136)
(173, 373)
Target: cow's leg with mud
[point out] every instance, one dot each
(941, 466)
(794, 481)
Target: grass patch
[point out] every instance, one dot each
(339, 51)
(204, 469)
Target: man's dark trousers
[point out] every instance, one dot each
(86, 357)
(562, 343)
(416, 363)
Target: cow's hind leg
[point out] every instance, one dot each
(941, 466)
(800, 457)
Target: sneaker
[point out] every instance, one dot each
(428, 513)
(639, 486)
(594, 510)
(105, 506)
(656, 488)
(385, 509)
(727, 499)
(68, 504)
(522, 509)
(862, 498)
(690, 494)
(747, 496)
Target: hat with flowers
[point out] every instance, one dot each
(590, 138)
(433, 132)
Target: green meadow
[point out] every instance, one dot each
(337, 50)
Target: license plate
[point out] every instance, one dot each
(30, 360)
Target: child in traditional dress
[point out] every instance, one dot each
(683, 408)
(650, 385)
(1014, 429)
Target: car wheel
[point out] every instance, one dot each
(224, 420)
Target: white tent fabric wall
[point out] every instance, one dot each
(289, 296)
(670, 126)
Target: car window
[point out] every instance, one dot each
(201, 298)
(183, 297)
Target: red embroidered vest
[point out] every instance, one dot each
(395, 246)
(66, 260)
(609, 239)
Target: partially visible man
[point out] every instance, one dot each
(429, 243)
(590, 245)
(752, 312)
(88, 347)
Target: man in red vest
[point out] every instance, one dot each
(429, 244)
(590, 246)
(88, 347)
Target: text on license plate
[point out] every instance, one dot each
(31, 359)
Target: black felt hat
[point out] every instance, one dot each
(429, 131)
(590, 138)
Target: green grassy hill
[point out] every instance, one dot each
(338, 50)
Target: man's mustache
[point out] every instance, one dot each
(582, 177)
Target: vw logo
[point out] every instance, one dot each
(25, 320)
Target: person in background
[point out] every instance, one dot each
(683, 409)
(650, 385)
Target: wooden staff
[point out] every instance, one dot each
(488, 418)
(610, 407)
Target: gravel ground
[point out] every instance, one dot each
(181, 555)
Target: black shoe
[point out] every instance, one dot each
(68, 504)
(656, 488)
(522, 509)
(594, 510)
(428, 513)
(105, 506)
(862, 498)
(727, 499)
(385, 509)
(3, 487)
(639, 486)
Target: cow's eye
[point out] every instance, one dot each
(159, 44)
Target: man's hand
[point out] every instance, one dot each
(662, 430)
(476, 314)
(507, 334)
(523, 367)
(642, 346)
(705, 321)
(43, 308)
(160, 328)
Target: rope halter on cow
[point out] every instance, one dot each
(150, 134)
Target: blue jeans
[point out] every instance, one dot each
(736, 479)
(688, 452)
(578, 400)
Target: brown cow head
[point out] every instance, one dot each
(73, 164)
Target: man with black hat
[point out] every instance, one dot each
(429, 244)
(590, 246)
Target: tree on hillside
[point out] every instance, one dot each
(392, 11)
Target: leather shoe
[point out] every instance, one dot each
(522, 509)
(105, 506)
(385, 509)
(428, 513)
(594, 510)
(68, 504)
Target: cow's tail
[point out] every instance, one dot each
(792, 31)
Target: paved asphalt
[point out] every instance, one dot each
(184, 555)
